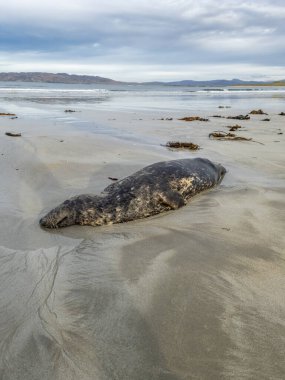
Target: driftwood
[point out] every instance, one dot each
(182, 145)
(12, 134)
(193, 118)
(7, 114)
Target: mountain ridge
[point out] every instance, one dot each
(54, 78)
(45, 77)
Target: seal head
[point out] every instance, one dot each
(61, 216)
(72, 211)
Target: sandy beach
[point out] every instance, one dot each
(196, 293)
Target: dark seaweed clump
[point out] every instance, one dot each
(239, 117)
(180, 145)
(193, 118)
(258, 112)
(227, 136)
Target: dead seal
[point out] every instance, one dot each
(154, 189)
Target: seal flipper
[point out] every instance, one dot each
(172, 199)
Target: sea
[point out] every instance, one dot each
(130, 97)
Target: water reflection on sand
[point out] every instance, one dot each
(197, 293)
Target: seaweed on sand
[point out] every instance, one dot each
(227, 136)
(193, 118)
(233, 127)
(239, 117)
(182, 145)
(258, 112)
(224, 136)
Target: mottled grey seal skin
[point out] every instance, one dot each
(159, 187)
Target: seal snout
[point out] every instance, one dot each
(50, 223)
(47, 222)
(59, 217)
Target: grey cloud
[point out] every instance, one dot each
(161, 32)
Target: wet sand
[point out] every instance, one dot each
(197, 293)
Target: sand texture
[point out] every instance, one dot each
(197, 293)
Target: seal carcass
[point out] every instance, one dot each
(154, 189)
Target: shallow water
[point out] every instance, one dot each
(139, 97)
(197, 293)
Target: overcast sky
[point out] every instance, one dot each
(145, 40)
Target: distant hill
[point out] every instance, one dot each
(55, 78)
(224, 82)
(216, 82)
(89, 79)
